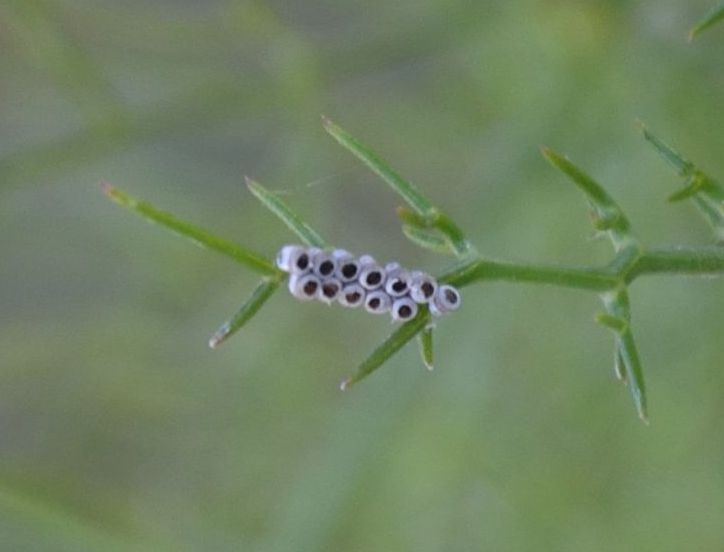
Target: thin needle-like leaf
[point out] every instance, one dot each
(405, 189)
(293, 221)
(199, 236)
(609, 216)
(420, 205)
(693, 186)
(617, 319)
(682, 165)
(595, 192)
(426, 350)
(634, 373)
(259, 296)
(716, 15)
(707, 193)
(389, 347)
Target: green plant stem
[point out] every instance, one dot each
(481, 270)
(680, 260)
(673, 260)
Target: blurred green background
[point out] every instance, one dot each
(121, 430)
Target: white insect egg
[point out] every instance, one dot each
(403, 309)
(422, 287)
(446, 299)
(371, 275)
(324, 264)
(366, 259)
(329, 290)
(347, 266)
(303, 286)
(397, 282)
(353, 295)
(294, 259)
(377, 302)
(287, 255)
(337, 275)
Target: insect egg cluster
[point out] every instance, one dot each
(338, 276)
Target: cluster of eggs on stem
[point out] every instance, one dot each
(338, 276)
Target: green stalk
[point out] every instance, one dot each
(488, 270)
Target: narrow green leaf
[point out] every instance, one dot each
(716, 15)
(707, 193)
(420, 205)
(293, 221)
(259, 296)
(426, 351)
(682, 165)
(198, 235)
(427, 239)
(405, 189)
(608, 215)
(389, 347)
(692, 186)
(618, 307)
(634, 374)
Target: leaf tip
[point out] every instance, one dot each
(217, 339)
(345, 384)
(329, 125)
(107, 187)
(554, 158)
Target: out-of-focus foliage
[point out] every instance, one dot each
(715, 16)
(123, 431)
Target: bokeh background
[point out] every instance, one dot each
(121, 430)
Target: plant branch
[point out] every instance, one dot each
(705, 261)
(485, 270)
(623, 269)
(424, 214)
